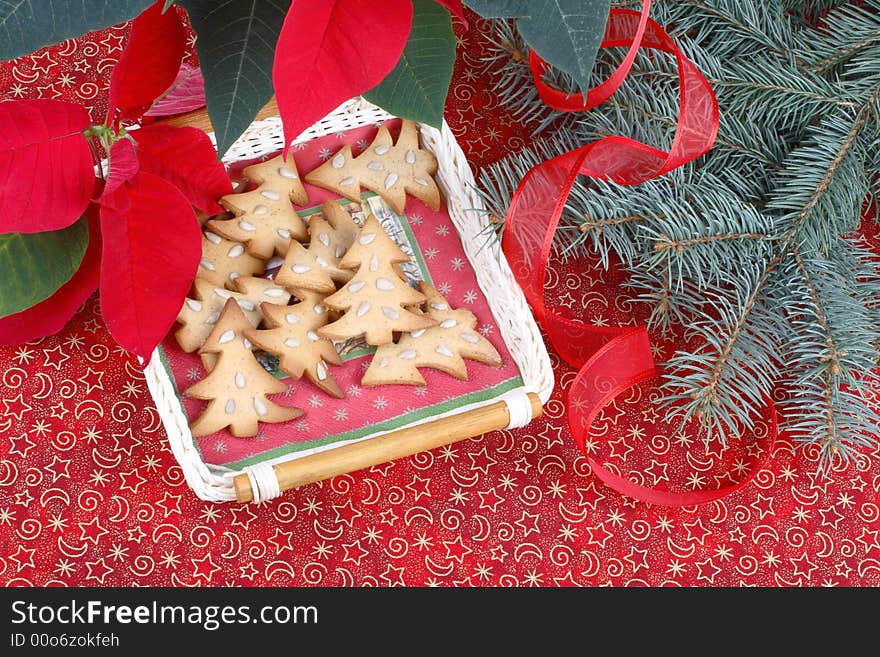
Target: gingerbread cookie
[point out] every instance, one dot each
(264, 217)
(292, 337)
(224, 260)
(443, 347)
(238, 387)
(375, 300)
(281, 174)
(199, 315)
(317, 267)
(388, 169)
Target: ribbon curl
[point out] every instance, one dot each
(610, 359)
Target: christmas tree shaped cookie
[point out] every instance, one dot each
(388, 169)
(443, 347)
(264, 217)
(238, 387)
(292, 337)
(374, 301)
(199, 315)
(317, 267)
(224, 260)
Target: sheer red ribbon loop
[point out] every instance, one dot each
(611, 359)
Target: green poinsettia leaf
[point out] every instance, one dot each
(566, 33)
(26, 25)
(236, 47)
(34, 265)
(416, 89)
(501, 8)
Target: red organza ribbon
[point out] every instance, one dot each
(611, 359)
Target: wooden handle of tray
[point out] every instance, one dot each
(199, 118)
(388, 447)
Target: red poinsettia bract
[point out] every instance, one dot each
(330, 51)
(46, 167)
(144, 238)
(144, 279)
(148, 65)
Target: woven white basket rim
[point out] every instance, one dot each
(467, 211)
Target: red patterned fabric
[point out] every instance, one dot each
(91, 495)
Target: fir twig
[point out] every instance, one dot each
(832, 358)
(707, 398)
(744, 245)
(845, 32)
(597, 225)
(731, 25)
(666, 243)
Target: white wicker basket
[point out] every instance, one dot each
(506, 300)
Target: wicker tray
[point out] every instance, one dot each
(268, 478)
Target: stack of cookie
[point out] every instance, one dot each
(338, 282)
